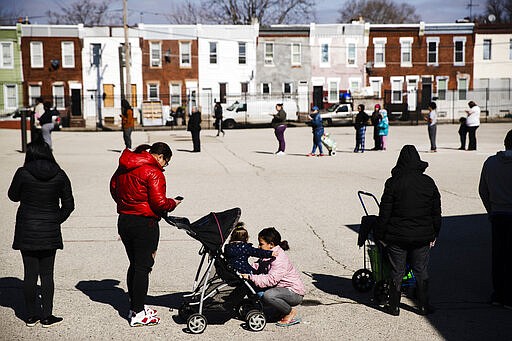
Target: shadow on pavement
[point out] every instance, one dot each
(11, 296)
(460, 281)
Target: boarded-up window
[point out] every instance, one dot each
(108, 95)
(133, 95)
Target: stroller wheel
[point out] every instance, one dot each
(196, 323)
(362, 280)
(256, 320)
(332, 152)
(185, 311)
(381, 292)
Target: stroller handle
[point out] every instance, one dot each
(360, 194)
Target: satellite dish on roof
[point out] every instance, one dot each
(491, 18)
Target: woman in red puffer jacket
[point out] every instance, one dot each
(139, 189)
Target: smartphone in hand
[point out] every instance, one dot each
(179, 198)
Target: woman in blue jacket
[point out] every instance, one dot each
(318, 131)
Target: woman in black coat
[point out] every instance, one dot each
(46, 201)
(409, 223)
(194, 126)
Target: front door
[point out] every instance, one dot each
(76, 103)
(222, 92)
(318, 96)
(302, 100)
(412, 85)
(426, 92)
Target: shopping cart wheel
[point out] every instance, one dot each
(256, 320)
(185, 311)
(332, 153)
(196, 323)
(362, 280)
(381, 292)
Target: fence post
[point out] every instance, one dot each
(486, 101)
(23, 130)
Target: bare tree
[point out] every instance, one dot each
(87, 12)
(379, 12)
(9, 16)
(244, 11)
(500, 9)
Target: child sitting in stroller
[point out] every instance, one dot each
(238, 251)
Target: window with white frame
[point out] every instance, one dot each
(34, 92)
(175, 94)
(242, 53)
(406, 51)
(36, 54)
(459, 49)
(396, 89)
(68, 54)
(462, 86)
(6, 58)
(333, 91)
(269, 53)
(487, 49)
(324, 53)
(296, 54)
(287, 88)
(354, 84)
(442, 87)
(376, 85)
(10, 96)
(155, 53)
(213, 52)
(505, 86)
(185, 51)
(58, 96)
(433, 51)
(153, 91)
(379, 52)
(244, 87)
(351, 53)
(265, 88)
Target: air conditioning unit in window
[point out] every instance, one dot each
(155, 63)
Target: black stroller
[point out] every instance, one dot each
(212, 231)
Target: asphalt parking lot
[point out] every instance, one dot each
(311, 201)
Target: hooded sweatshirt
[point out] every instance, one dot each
(495, 186)
(410, 209)
(46, 201)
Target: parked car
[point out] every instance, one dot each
(256, 112)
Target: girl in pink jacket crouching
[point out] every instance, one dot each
(284, 288)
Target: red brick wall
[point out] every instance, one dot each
(168, 71)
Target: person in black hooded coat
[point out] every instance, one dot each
(409, 223)
(46, 201)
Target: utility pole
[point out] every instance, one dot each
(127, 54)
(470, 6)
(97, 51)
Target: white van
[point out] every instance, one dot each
(256, 112)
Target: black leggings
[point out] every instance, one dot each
(38, 264)
(140, 238)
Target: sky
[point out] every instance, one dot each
(446, 11)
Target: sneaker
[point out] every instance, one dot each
(142, 319)
(280, 153)
(310, 154)
(149, 311)
(321, 154)
(32, 321)
(51, 321)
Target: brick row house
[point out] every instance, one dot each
(52, 68)
(403, 66)
(408, 65)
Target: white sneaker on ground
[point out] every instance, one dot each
(143, 319)
(149, 311)
(280, 153)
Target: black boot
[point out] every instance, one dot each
(424, 308)
(393, 307)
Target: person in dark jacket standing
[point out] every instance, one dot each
(139, 189)
(375, 119)
(408, 224)
(495, 189)
(218, 118)
(360, 126)
(127, 122)
(46, 201)
(318, 131)
(194, 126)
(279, 125)
(46, 123)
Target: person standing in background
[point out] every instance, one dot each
(279, 125)
(472, 123)
(318, 131)
(495, 189)
(127, 122)
(46, 122)
(218, 118)
(194, 126)
(360, 126)
(432, 125)
(383, 129)
(375, 119)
